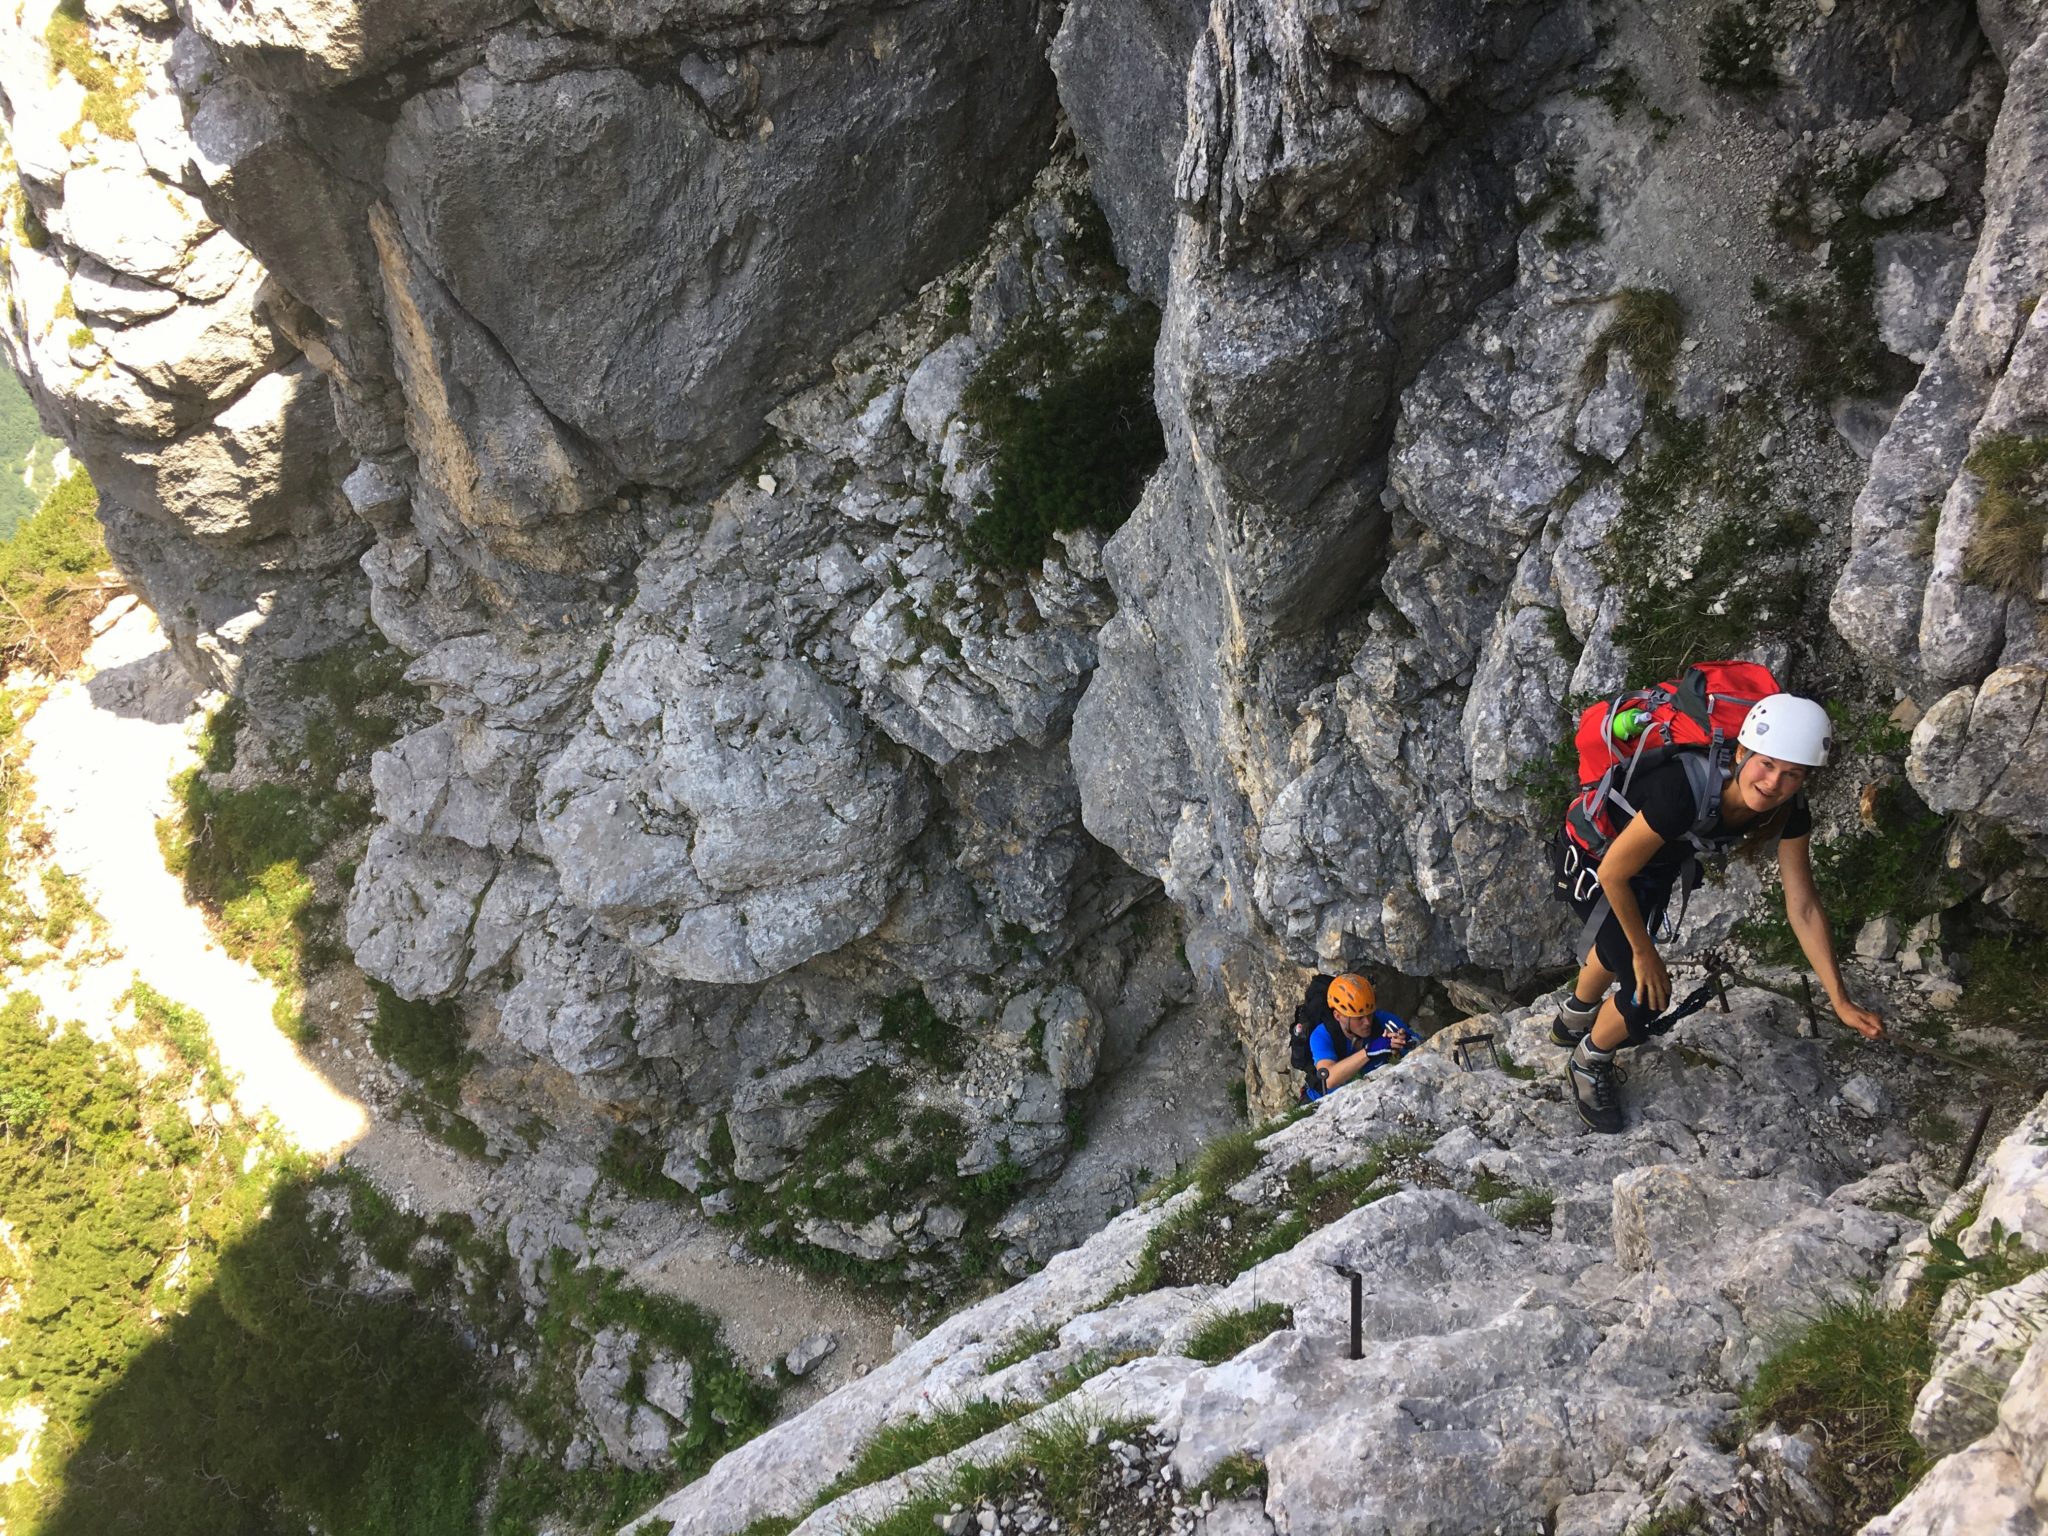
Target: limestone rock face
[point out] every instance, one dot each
(1515, 1367)
(1123, 70)
(1926, 616)
(643, 372)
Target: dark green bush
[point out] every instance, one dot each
(1074, 434)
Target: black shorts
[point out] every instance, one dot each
(1610, 943)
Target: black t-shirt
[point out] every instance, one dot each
(1664, 795)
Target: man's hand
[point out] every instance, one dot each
(1653, 982)
(1864, 1021)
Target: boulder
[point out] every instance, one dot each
(1122, 67)
(1919, 279)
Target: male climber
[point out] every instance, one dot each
(1355, 1038)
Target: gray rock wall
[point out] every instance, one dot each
(619, 364)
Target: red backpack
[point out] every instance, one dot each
(1693, 719)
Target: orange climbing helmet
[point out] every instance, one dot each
(1351, 997)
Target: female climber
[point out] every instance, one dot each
(1782, 739)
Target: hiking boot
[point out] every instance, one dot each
(1593, 1088)
(1574, 1022)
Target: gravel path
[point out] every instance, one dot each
(102, 753)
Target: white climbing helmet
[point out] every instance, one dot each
(1789, 728)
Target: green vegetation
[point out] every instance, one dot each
(428, 1040)
(110, 92)
(1738, 47)
(1227, 1335)
(1741, 582)
(2006, 1260)
(1066, 1461)
(1682, 1521)
(1647, 327)
(186, 1320)
(1022, 1346)
(1618, 90)
(1854, 1370)
(1833, 320)
(1070, 422)
(246, 853)
(1213, 1238)
(909, 1020)
(2007, 981)
(49, 578)
(1896, 868)
(1513, 1205)
(633, 1162)
(1236, 1476)
(1577, 221)
(910, 1443)
(2012, 514)
(873, 1153)
(27, 457)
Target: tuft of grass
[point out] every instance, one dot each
(1738, 48)
(1682, 1521)
(2012, 514)
(1022, 1346)
(1224, 1161)
(911, 1443)
(1066, 1460)
(1855, 1370)
(1648, 325)
(1229, 1334)
(1236, 1476)
(1529, 1210)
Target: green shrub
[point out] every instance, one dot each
(1073, 430)
(1738, 47)
(909, 1019)
(1229, 1334)
(633, 1162)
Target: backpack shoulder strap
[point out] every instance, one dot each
(1705, 776)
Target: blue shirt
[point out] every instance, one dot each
(1329, 1042)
